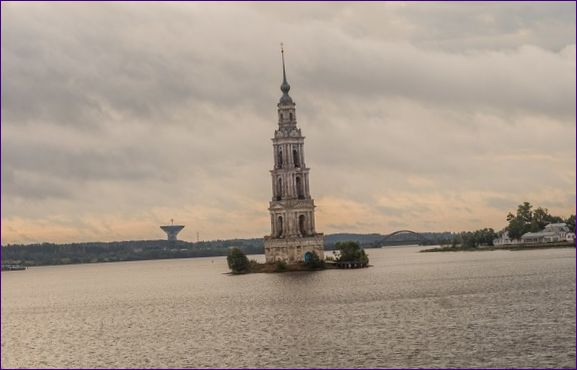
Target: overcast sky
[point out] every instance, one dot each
(117, 117)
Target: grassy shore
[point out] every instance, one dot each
(512, 247)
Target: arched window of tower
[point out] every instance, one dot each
(291, 116)
(300, 192)
(279, 189)
(302, 225)
(296, 158)
(279, 227)
(279, 164)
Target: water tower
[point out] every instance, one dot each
(172, 230)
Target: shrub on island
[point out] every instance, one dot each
(280, 266)
(351, 252)
(237, 261)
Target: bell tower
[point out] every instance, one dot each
(293, 235)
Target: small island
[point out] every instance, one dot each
(527, 229)
(348, 255)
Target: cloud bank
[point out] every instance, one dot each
(117, 117)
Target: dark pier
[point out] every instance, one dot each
(350, 264)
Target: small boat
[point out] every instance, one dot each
(13, 267)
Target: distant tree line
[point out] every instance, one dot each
(135, 250)
(57, 254)
(474, 239)
(379, 240)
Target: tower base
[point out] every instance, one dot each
(293, 250)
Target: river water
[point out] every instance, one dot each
(460, 309)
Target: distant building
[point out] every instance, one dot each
(504, 239)
(292, 210)
(558, 232)
(172, 230)
(552, 233)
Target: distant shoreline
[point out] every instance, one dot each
(511, 247)
(50, 254)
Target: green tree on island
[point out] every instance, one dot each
(570, 221)
(237, 261)
(516, 228)
(351, 251)
(529, 220)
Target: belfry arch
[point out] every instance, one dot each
(279, 230)
(279, 189)
(302, 225)
(300, 188)
(279, 157)
(296, 158)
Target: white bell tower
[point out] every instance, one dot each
(293, 236)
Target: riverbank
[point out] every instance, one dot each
(511, 247)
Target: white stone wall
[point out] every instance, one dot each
(292, 250)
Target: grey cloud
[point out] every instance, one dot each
(502, 203)
(349, 227)
(449, 26)
(392, 211)
(415, 210)
(517, 81)
(120, 67)
(110, 68)
(31, 186)
(493, 25)
(397, 224)
(83, 165)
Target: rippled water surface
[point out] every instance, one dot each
(461, 309)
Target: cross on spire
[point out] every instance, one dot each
(284, 87)
(283, 67)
